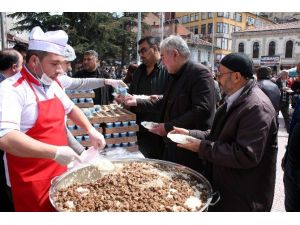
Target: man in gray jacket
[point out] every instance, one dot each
(242, 144)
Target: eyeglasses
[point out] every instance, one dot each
(143, 50)
(218, 74)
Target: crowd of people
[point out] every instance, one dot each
(231, 117)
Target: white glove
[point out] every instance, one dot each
(96, 139)
(64, 155)
(115, 83)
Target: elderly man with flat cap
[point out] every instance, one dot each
(32, 122)
(242, 144)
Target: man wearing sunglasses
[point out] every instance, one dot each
(150, 78)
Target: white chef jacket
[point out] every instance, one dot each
(18, 106)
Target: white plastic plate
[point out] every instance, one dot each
(180, 138)
(148, 125)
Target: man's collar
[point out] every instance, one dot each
(30, 77)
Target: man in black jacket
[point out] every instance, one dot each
(150, 78)
(268, 86)
(91, 70)
(242, 144)
(282, 83)
(188, 102)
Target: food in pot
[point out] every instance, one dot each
(135, 187)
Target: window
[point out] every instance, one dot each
(185, 19)
(210, 15)
(203, 29)
(289, 49)
(223, 14)
(222, 43)
(238, 17)
(241, 48)
(220, 14)
(250, 20)
(255, 54)
(226, 14)
(199, 55)
(225, 28)
(272, 48)
(222, 28)
(209, 28)
(192, 17)
(196, 30)
(196, 16)
(219, 27)
(203, 15)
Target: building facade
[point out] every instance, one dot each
(217, 27)
(276, 45)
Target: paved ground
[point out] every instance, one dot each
(278, 203)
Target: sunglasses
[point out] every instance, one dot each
(143, 50)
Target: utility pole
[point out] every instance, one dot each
(212, 44)
(162, 26)
(139, 36)
(3, 31)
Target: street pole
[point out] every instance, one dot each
(139, 36)
(3, 33)
(212, 43)
(162, 26)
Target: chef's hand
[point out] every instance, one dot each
(130, 100)
(193, 145)
(177, 130)
(159, 129)
(96, 139)
(64, 155)
(115, 83)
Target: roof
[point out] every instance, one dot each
(199, 42)
(15, 38)
(273, 27)
(170, 29)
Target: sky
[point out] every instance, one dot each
(151, 5)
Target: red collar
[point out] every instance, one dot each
(29, 77)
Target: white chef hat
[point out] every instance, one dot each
(51, 41)
(69, 53)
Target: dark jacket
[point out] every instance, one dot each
(243, 152)
(272, 91)
(151, 145)
(103, 95)
(284, 95)
(189, 102)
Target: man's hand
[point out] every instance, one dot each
(130, 100)
(96, 139)
(159, 129)
(154, 98)
(64, 155)
(115, 83)
(177, 130)
(193, 145)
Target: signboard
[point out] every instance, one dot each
(269, 60)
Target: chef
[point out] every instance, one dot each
(32, 122)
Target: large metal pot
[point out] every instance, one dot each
(89, 173)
